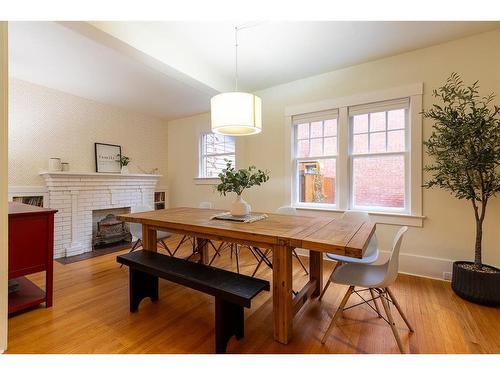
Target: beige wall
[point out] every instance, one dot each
(46, 123)
(448, 231)
(3, 186)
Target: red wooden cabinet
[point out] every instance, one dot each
(31, 249)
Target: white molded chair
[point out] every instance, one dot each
(136, 230)
(283, 210)
(376, 279)
(370, 256)
(286, 210)
(206, 205)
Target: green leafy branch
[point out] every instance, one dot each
(235, 181)
(124, 160)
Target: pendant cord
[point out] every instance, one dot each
(236, 29)
(236, 58)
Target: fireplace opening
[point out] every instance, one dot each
(108, 231)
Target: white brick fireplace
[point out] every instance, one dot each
(76, 195)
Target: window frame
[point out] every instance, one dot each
(202, 155)
(405, 154)
(412, 216)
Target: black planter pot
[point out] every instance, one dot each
(475, 286)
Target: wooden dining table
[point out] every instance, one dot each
(281, 233)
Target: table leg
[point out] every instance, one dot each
(282, 293)
(316, 271)
(202, 248)
(149, 240)
(49, 272)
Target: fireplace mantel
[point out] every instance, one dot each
(95, 174)
(76, 194)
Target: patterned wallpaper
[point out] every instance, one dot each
(46, 123)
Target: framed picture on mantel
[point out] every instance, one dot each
(107, 158)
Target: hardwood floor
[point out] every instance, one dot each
(91, 315)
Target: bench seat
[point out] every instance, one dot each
(232, 291)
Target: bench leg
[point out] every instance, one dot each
(229, 321)
(141, 285)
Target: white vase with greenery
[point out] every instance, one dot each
(235, 181)
(124, 162)
(240, 207)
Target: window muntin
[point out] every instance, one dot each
(215, 148)
(315, 160)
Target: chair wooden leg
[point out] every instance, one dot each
(184, 238)
(136, 244)
(237, 253)
(216, 249)
(329, 281)
(300, 261)
(220, 248)
(393, 298)
(252, 251)
(391, 321)
(324, 289)
(164, 245)
(213, 258)
(337, 313)
(375, 302)
(258, 266)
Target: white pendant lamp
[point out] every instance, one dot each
(236, 113)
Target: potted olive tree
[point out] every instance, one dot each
(465, 145)
(236, 181)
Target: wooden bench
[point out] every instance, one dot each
(232, 291)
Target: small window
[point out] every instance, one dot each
(214, 149)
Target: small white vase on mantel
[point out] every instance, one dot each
(124, 169)
(239, 207)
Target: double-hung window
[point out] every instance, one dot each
(214, 149)
(357, 157)
(379, 156)
(315, 164)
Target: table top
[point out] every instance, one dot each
(324, 234)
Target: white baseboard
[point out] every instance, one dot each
(433, 268)
(411, 264)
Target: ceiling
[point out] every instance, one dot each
(272, 53)
(171, 69)
(52, 55)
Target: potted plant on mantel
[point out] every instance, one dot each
(465, 144)
(235, 181)
(124, 162)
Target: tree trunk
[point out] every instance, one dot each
(479, 238)
(479, 229)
